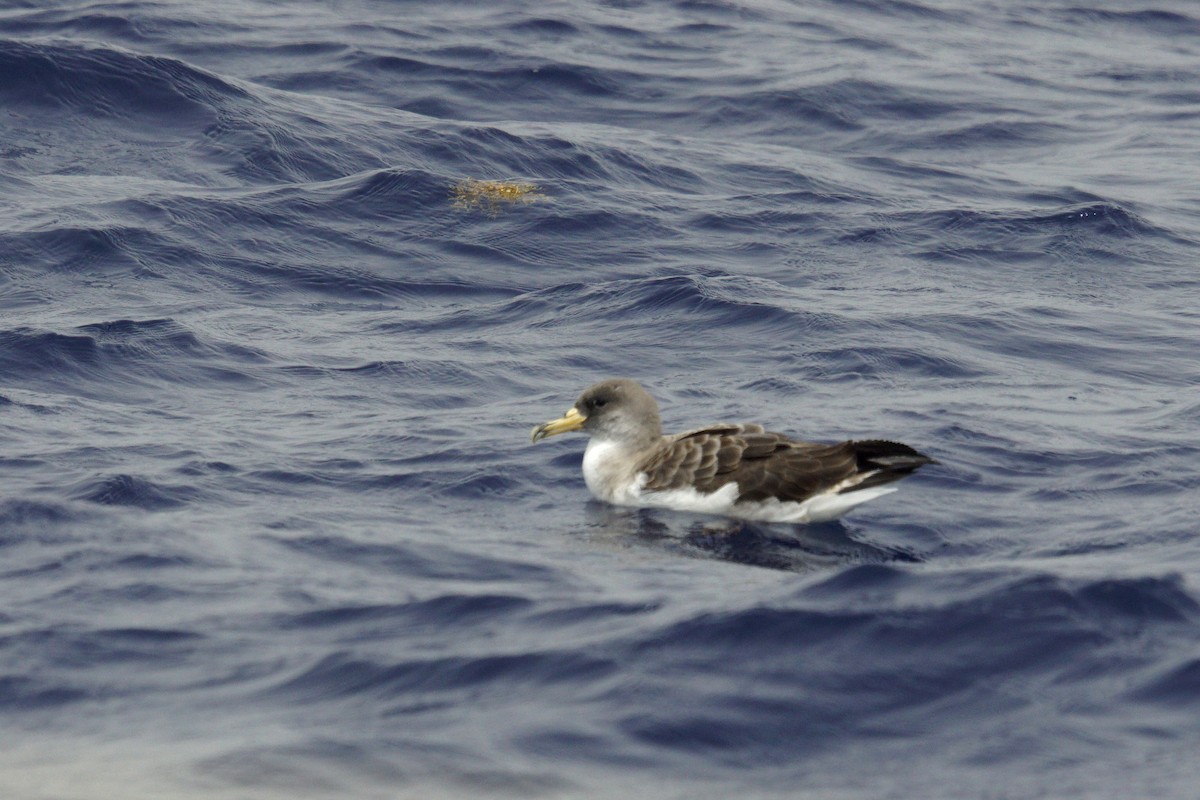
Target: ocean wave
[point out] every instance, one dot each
(22, 694)
(104, 81)
(120, 356)
(136, 492)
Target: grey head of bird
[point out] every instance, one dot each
(617, 410)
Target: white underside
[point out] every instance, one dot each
(818, 508)
(602, 472)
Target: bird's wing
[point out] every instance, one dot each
(762, 463)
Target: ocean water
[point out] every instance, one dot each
(270, 522)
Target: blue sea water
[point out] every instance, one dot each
(270, 522)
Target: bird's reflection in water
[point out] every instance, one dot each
(794, 548)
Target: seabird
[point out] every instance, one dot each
(739, 471)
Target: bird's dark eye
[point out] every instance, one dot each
(599, 402)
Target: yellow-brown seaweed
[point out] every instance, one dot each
(490, 196)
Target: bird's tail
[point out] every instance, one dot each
(882, 462)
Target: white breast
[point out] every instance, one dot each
(608, 472)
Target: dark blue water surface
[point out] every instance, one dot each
(270, 522)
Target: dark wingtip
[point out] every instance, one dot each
(881, 451)
(891, 461)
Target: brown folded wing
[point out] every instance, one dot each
(765, 464)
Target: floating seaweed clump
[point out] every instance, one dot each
(490, 196)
